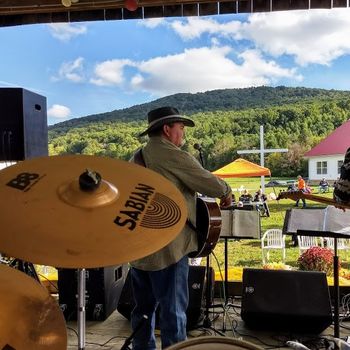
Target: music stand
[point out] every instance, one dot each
(335, 236)
(328, 222)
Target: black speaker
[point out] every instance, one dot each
(197, 292)
(296, 301)
(23, 124)
(103, 289)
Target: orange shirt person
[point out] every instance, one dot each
(301, 187)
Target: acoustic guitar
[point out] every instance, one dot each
(208, 226)
(295, 195)
(208, 219)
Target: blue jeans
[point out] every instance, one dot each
(167, 288)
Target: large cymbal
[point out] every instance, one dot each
(48, 219)
(30, 318)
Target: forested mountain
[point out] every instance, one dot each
(216, 100)
(226, 121)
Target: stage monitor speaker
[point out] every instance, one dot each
(197, 289)
(23, 125)
(103, 289)
(295, 301)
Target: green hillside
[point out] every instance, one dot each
(216, 100)
(293, 118)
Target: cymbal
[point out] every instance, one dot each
(80, 211)
(30, 318)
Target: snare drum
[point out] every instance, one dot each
(214, 343)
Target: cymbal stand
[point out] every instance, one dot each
(26, 267)
(81, 308)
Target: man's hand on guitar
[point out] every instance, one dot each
(226, 202)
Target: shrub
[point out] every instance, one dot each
(316, 259)
(276, 266)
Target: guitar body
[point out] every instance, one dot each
(208, 223)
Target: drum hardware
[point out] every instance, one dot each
(81, 308)
(26, 267)
(129, 207)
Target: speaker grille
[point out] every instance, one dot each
(286, 300)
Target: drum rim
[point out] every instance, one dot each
(218, 340)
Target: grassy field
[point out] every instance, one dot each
(247, 252)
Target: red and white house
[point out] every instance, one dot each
(327, 157)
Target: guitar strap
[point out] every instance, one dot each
(138, 159)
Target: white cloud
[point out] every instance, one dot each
(72, 70)
(194, 27)
(151, 22)
(110, 72)
(59, 111)
(316, 36)
(66, 31)
(313, 36)
(202, 69)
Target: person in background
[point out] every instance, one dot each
(302, 188)
(246, 197)
(259, 196)
(323, 186)
(162, 277)
(341, 192)
(261, 203)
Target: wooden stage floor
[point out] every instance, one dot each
(112, 332)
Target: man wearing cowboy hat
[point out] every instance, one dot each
(162, 278)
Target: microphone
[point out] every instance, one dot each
(197, 146)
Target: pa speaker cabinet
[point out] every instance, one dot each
(197, 293)
(103, 289)
(296, 301)
(23, 124)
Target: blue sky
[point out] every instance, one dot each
(96, 67)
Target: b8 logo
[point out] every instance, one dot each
(22, 181)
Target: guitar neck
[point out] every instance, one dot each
(315, 198)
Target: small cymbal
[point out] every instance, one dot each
(30, 318)
(56, 212)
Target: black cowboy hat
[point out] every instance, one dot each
(164, 115)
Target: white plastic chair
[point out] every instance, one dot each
(342, 243)
(273, 239)
(306, 242)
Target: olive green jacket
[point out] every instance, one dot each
(190, 177)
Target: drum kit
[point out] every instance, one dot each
(77, 211)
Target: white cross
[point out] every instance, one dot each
(262, 152)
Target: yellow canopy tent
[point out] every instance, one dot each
(241, 168)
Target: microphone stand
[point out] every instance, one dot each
(201, 156)
(207, 323)
(137, 329)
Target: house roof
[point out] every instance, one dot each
(241, 168)
(335, 143)
(17, 12)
